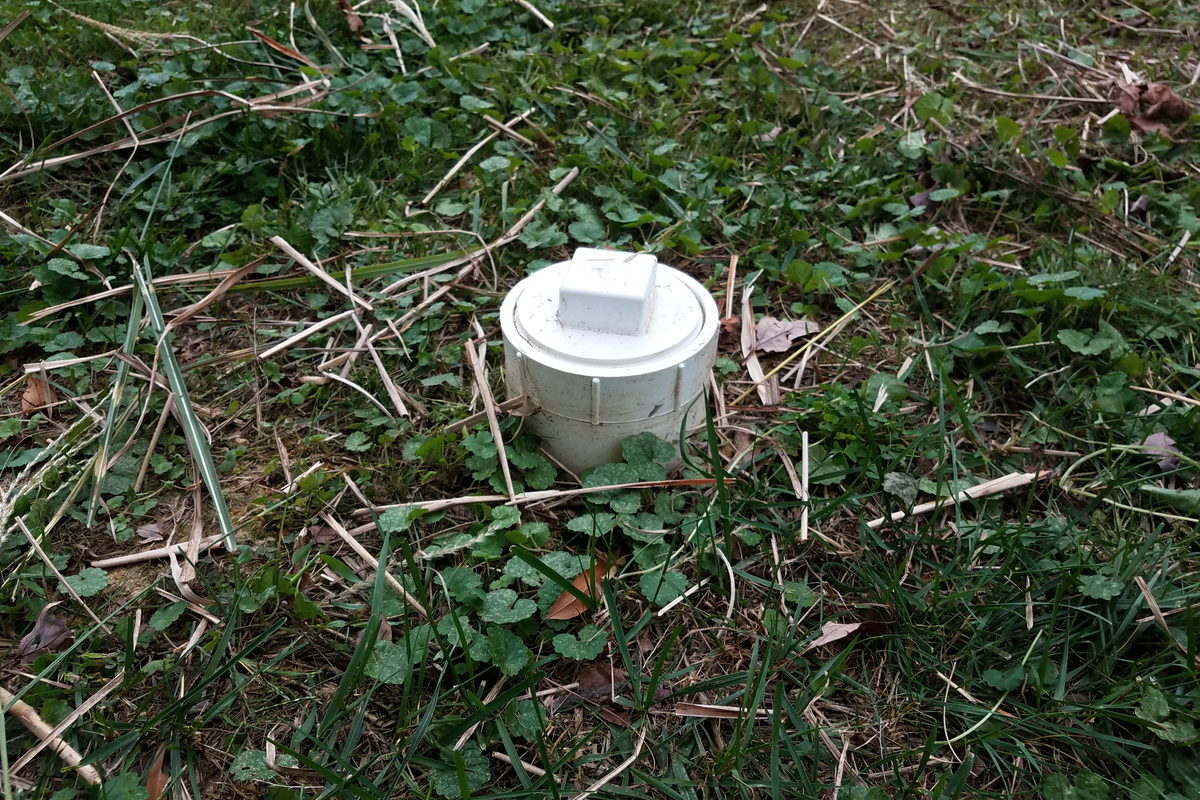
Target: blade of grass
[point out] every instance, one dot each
(192, 429)
(134, 326)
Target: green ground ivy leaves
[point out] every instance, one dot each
(475, 768)
(502, 606)
(584, 647)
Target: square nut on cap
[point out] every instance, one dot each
(608, 291)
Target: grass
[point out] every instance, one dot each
(1036, 642)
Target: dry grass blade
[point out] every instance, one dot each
(12, 26)
(55, 734)
(393, 390)
(370, 559)
(152, 555)
(458, 165)
(994, 486)
(820, 337)
(132, 329)
(624, 765)
(192, 429)
(709, 711)
(44, 732)
(304, 334)
(489, 403)
(528, 6)
(37, 546)
(360, 390)
(317, 272)
(284, 49)
(229, 281)
(511, 404)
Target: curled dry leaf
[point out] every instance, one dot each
(1159, 101)
(353, 20)
(1161, 446)
(151, 532)
(836, 631)
(568, 606)
(776, 336)
(727, 337)
(38, 394)
(49, 632)
(1146, 125)
(1165, 104)
(323, 534)
(156, 780)
(1128, 97)
(384, 634)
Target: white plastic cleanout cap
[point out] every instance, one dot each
(608, 345)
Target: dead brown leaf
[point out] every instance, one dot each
(383, 635)
(617, 716)
(49, 632)
(1162, 447)
(568, 606)
(1128, 97)
(156, 781)
(1165, 104)
(836, 631)
(151, 532)
(776, 336)
(1146, 125)
(727, 337)
(323, 534)
(600, 677)
(1158, 100)
(38, 395)
(353, 20)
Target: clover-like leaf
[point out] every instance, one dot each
(584, 647)
(902, 486)
(1004, 681)
(475, 767)
(90, 581)
(522, 719)
(661, 588)
(250, 765)
(503, 607)
(506, 650)
(165, 617)
(596, 524)
(396, 520)
(1099, 587)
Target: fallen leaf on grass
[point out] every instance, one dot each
(1161, 445)
(49, 632)
(1160, 102)
(568, 606)
(727, 337)
(1128, 97)
(617, 716)
(1144, 125)
(836, 631)
(156, 781)
(776, 336)
(151, 532)
(1165, 104)
(38, 395)
(323, 534)
(353, 20)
